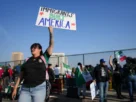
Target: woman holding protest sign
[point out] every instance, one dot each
(33, 73)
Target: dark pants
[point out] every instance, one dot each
(131, 86)
(0, 97)
(118, 89)
(48, 88)
(57, 76)
(117, 83)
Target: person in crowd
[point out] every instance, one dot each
(33, 73)
(18, 68)
(51, 73)
(5, 79)
(15, 74)
(80, 86)
(73, 72)
(9, 66)
(101, 77)
(87, 67)
(57, 71)
(90, 69)
(1, 84)
(51, 80)
(10, 72)
(1, 76)
(130, 75)
(1, 72)
(117, 76)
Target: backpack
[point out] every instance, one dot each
(43, 59)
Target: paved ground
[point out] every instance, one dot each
(111, 98)
(63, 98)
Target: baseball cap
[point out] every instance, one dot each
(102, 61)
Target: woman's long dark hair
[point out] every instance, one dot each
(37, 45)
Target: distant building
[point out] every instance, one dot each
(17, 57)
(59, 59)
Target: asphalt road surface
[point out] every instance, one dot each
(62, 98)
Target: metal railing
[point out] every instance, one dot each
(85, 59)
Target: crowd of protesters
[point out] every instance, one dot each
(101, 74)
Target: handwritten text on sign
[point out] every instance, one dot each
(56, 18)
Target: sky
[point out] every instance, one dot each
(102, 25)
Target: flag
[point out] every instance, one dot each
(66, 66)
(79, 77)
(120, 55)
(68, 70)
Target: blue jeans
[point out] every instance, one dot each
(35, 94)
(131, 86)
(103, 87)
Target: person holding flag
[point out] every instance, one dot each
(117, 76)
(80, 81)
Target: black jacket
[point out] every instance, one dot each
(97, 74)
(51, 75)
(129, 69)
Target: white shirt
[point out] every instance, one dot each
(57, 70)
(103, 73)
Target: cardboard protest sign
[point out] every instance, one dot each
(56, 18)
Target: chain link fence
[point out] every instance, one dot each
(85, 59)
